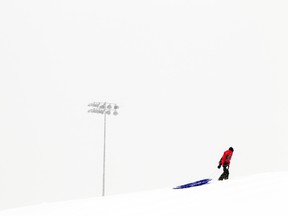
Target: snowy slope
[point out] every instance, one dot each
(261, 194)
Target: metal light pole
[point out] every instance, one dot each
(104, 108)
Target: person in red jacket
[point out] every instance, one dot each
(225, 162)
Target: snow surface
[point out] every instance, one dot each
(261, 194)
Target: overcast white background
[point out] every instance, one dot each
(192, 78)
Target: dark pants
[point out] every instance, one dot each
(225, 174)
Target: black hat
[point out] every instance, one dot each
(231, 149)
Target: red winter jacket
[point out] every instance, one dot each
(225, 160)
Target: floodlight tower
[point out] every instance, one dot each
(104, 108)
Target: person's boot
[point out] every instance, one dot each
(220, 178)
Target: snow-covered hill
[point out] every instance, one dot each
(261, 194)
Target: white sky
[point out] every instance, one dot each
(191, 79)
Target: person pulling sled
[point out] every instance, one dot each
(225, 162)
